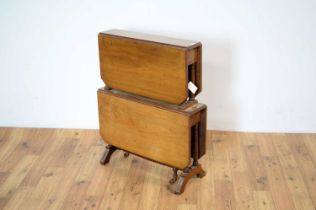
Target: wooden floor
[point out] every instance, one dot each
(59, 169)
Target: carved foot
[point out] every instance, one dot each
(175, 176)
(179, 186)
(107, 154)
(201, 174)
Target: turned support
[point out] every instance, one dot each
(109, 149)
(175, 176)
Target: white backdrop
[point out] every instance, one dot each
(259, 59)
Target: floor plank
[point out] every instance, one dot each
(59, 169)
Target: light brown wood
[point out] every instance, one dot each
(189, 44)
(149, 65)
(65, 164)
(156, 133)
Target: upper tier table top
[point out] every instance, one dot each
(152, 38)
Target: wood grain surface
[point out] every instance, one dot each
(152, 67)
(59, 169)
(187, 44)
(162, 135)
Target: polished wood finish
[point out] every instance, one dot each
(151, 38)
(158, 132)
(59, 169)
(184, 106)
(147, 96)
(148, 65)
